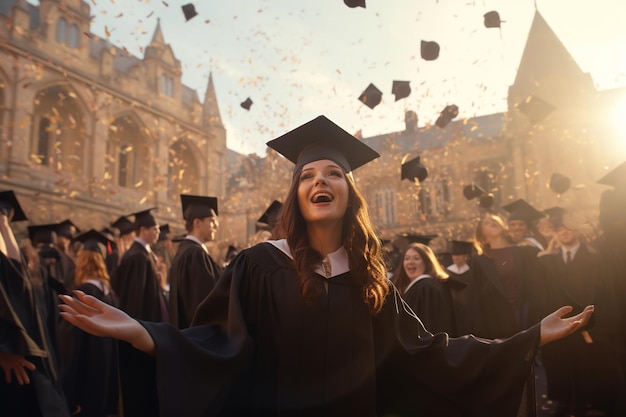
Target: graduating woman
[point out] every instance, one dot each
(310, 326)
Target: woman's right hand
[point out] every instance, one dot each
(100, 319)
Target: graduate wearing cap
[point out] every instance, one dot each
(30, 385)
(575, 274)
(459, 281)
(66, 231)
(309, 325)
(124, 238)
(90, 377)
(137, 284)
(521, 223)
(194, 272)
(165, 251)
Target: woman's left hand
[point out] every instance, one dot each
(555, 327)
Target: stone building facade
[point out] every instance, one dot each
(89, 131)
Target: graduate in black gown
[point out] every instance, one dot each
(90, 377)
(420, 279)
(310, 326)
(194, 272)
(29, 384)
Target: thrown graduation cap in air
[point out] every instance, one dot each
(198, 206)
(486, 200)
(535, 109)
(124, 225)
(419, 238)
(429, 50)
(492, 19)
(413, 170)
(371, 96)
(447, 114)
(319, 139)
(521, 210)
(616, 177)
(472, 191)
(401, 89)
(559, 183)
(43, 234)
(246, 104)
(8, 202)
(461, 247)
(144, 218)
(189, 10)
(164, 231)
(355, 3)
(270, 216)
(95, 241)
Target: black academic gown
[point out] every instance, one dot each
(580, 372)
(23, 332)
(430, 301)
(257, 349)
(192, 277)
(138, 285)
(90, 377)
(491, 315)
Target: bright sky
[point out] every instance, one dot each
(299, 59)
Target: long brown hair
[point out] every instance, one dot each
(432, 266)
(361, 243)
(481, 240)
(90, 265)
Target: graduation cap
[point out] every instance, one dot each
(198, 206)
(555, 214)
(615, 178)
(189, 10)
(447, 114)
(48, 252)
(413, 170)
(521, 210)
(472, 191)
(124, 225)
(43, 234)
(246, 104)
(486, 200)
(270, 216)
(8, 202)
(94, 241)
(429, 50)
(419, 238)
(559, 183)
(492, 19)
(371, 96)
(401, 89)
(355, 3)
(144, 218)
(164, 231)
(535, 109)
(67, 229)
(461, 247)
(319, 139)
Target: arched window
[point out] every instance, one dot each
(385, 206)
(128, 157)
(59, 130)
(43, 141)
(73, 40)
(61, 30)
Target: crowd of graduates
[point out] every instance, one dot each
(515, 271)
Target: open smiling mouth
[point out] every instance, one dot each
(322, 198)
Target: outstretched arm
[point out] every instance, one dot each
(100, 319)
(555, 327)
